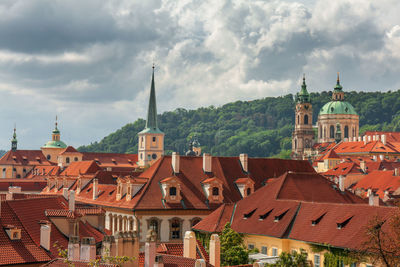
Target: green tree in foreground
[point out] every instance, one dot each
(292, 259)
(233, 251)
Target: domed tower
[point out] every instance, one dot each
(303, 134)
(55, 146)
(336, 112)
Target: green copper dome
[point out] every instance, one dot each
(55, 144)
(337, 107)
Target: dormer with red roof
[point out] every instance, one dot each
(171, 189)
(69, 155)
(213, 189)
(245, 186)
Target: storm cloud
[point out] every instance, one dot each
(89, 62)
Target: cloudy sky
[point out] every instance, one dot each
(89, 62)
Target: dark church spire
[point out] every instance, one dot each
(151, 121)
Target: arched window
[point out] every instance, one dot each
(195, 221)
(305, 119)
(110, 222)
(332, 131)
(175, 232)
(48, 157)
(307, 143)
(215, 191)
(67, 159)
(76, 159)
(172, 191)
(354, 132)
(346, 131)
(153, 225)
(295, 143)
(248, 191)
(324, 132)
(320, 131)
(298, 119)
(4, 172)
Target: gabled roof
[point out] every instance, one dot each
(344, 168)
(24, 157)
(81, 167)
(331, 155)
(26, 185)
(379, 182)
(113, 160)
(70, 150)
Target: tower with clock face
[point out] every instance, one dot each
(151, 139)
(303, 134)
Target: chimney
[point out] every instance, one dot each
(215, 247)
(71, 202)
(363, 166)
(373, 200)
(159, 261)
(65, 193)
(206, 162)
(369, 138)
(175, 162)
(73, 248)
(359, 139)
(200, 263)
(189, 245)
(244, 161)
(377, 137)
(381, 157)
(364, 139)
(95, 188)
(341, 183)
(45, 232)
(374, 158)
(150, 249)
(396, 171)
(373, 138)
(88, 249)
(383, 139)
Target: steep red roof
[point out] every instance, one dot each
(81, 167)
(24, 157)
(26, 185)
(379, 181)
(113, 160)
(344, 168)
(40, 172)
(331, 155)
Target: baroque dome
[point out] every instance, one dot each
(338, 107)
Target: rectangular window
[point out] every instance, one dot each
(154, 139)
(250, 246)
(317, 260)
(264, 250)
(274, 252)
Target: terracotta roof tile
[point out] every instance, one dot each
(379, 181)
(81, 167)
(24, 157)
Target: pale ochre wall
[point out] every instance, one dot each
(9, 171)
(325, 121)
(284, 245)
(148, 147)
(53, 152)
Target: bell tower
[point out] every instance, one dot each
(303, 134)
(151, 139)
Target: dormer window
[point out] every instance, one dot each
(248, 191)
(342, 223)
(245, 186)
(213, 189)
(317, 219)
(171, 189)
(280, 216)
(67, 160)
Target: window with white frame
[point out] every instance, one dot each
(264, 250)
(317, 260)
(250, 246)
(274, 251)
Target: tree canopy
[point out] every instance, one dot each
(260, 128)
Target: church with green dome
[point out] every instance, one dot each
(337, 121)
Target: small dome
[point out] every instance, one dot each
(55, 144)
(338, 107)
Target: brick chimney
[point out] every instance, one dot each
(88, 249)
(189, 245)
(363, 166)
(73, 248)
(65, 193)
(383, 139)
(95, 188)
(215, 247)
(244, 162)
(341, 183)
(373, 200)
(71, 201)
(150, 249)
(396, 171)
(45, 233)
(175, 162)
(207, 162)
(200, 263)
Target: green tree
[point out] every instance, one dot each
(292, 259)
(233, 251)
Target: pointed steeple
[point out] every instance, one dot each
(56, 131)
(151, 121)
(303, 96)
(338, 87)
(14, 141)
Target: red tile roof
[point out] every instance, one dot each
(331, 155)
(81, 167)
(24, 157)
(26, 185)
(390, 136)
(70, 150)
(113, 160)
(344, 168)
(379, 182)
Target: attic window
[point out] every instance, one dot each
(14, 158)
(111, 192)
(343, 223)
(265, 215)
(280, 216)
(24, 158)
(317, 220)
(172, 191)
(248, 215)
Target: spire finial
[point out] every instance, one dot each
(14, 139)
(304, 78)
(56, 121)
(338, 78)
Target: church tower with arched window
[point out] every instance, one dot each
(303, 134)
(151, 139)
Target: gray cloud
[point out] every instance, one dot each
(90, 62)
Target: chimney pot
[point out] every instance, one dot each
(207, 162)
(65, 193)
(215, 246)
(45, 233)
(373, 199)
(200, 263)
(244, 161)
(71, 202)
(88, 249)
(189, 245)
(383, 139)
(175, 162)
(73, 248)
(95, 188)
(341, 183)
